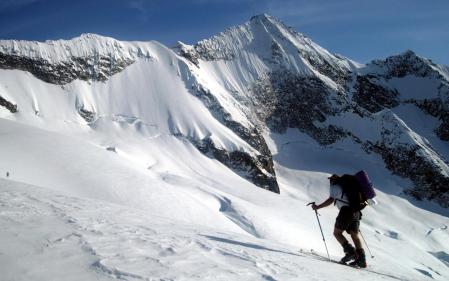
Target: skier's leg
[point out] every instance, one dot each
(356, 239)
(348, 249)
(338, 233)
(341, 224)
(360, 259)
(353, 229)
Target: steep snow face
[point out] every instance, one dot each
(260, 46)
(157, 93)
(135, 97)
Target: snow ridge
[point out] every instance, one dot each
(86, 45)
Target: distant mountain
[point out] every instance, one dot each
(225, 94)
(288, 81)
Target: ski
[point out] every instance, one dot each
(322, 258)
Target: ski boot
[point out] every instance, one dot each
(349, 253)
(360, 260)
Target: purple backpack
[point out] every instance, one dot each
(365, 184)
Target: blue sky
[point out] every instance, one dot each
(359, 29)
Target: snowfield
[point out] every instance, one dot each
(92, 240)
(101, 179)
(95, 214)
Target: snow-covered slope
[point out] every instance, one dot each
(157, 95)
(137, 161)
(104, 217)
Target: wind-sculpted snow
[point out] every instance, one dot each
(60, 236)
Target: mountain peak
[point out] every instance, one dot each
(409, 53)
(268, 20)
(263, 16)
(409, 56)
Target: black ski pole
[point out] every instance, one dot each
(324, 240)
(366, 244)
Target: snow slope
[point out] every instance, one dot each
(108, 217)
(100, 241)
(105, 181)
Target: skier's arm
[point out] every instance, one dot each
(326, 203)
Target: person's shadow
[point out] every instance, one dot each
(248, 245)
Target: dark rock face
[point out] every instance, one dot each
(443, 130)
(429, 182)
(242, 163)
(338, 74)
(97, 68)
(411, 159)
(87, 115)
(284, 100)
(189, 54)
(434, 107)
(374, 97)
(405, 64)
(204, 50)
(8, 105)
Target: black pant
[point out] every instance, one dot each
(348, 219)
